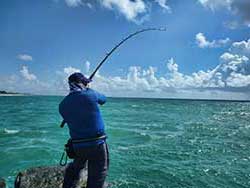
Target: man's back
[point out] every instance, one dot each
(81, 112)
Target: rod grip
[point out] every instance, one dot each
(62, 124)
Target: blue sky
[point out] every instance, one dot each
(204, 53)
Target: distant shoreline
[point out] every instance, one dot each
(8, 95)
(170, 99)
(143, 98)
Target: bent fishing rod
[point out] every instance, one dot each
(114, 48)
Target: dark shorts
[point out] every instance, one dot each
(98, 163)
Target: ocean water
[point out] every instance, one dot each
(154, 143)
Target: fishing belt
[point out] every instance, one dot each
(69, 149)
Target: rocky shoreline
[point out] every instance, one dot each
(44, 177)
(2, 183)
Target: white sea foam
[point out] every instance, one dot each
(9, 131)
(143, 134)
(122, 148)
(244, 113)
(206, 170)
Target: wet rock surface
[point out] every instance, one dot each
(2, 183)
(45, 177)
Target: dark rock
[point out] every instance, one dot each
(45, 177)
(2, 183)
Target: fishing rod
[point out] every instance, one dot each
(114, 48)
(120, 43)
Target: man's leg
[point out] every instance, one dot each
(98, 163)
(72, 173)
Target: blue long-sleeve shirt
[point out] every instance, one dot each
(81, 113)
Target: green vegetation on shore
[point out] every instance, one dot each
(8, 93)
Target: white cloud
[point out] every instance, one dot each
(230, 78)
(73, 3)
(172, 66)
(238, 80)
(163, 4)
(76, 3)
(240, 8)
(202, 42)
(242, 47)
(234, 71)
(26, 74)
(231, 24)
(89, 5)
(87, 66)
(216, 4)
(70, 70)
(24, 57)
(130, 9)
(133, 10)
(233, 64)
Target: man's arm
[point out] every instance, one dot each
(101, 99)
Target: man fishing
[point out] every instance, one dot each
(80, 111)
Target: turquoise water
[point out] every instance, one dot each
(153, 143)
